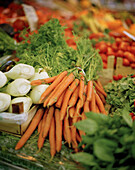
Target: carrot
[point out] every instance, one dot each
(89, 90)
(86, 106)
(40, 138)
(52, 138)
(99, 83)
(74, 138)
(50, 79)
(71, 111)
(73, 98)
(81, 86)
(100, 89)
(63, 86)
(53, 92)
(93, 102)
(97, 109)
(36, 82)
(53, 85)
(39, 126)
(31, 128)
(67, 131)
(58, 123)
(101, 96)
(60, 100)
(83, 117)
(48, 121)
(100, 104)
(43, 81)
(80, 102)
(67, 95)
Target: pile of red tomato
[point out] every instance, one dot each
(122, 47)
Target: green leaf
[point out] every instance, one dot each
(84, 158)
(88, 140)
(99, 118)
(127, 117)
(88, 126)
(133, 150)
(103, 149)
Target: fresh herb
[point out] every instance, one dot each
(48, 49)
(109, 141)
(121, 92)
(7, 44)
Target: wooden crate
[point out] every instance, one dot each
(123, 70)
(17, 129)
(107, 74)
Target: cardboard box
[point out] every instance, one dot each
(17, 129)
(123, 70)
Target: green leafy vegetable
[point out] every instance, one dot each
(48, 49)
(111, 145)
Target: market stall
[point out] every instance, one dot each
(67, 96)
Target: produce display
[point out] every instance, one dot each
(78, 122)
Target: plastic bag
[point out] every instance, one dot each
(13, 118)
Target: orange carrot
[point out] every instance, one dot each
(39, 126)
(93, 102)
(89, 90)
(36, 82)
(48, 121)
(53, 92)
(43, 81)
(60, 100)
(80, 102)
(101, 96)
(58, 123)
(71, 111)
(67, 95)
(63, 86)
(100, 89)
(74, 137)
(73, 98)
(86, 106)
(100, 104)
(99, 83)
(53, 85)
(83, 117)
(52, 138)
(31, 128)
(67, 131)
(81, 86)
(50, 79)
(97, 109)
(40, 138)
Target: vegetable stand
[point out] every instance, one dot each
(69, 100)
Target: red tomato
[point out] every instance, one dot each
(19, 24)
(104, 57)
(133, 43)
(126, 62)
(123, 46)
(120, 76)
(115, 78)
(102, 48)
(119, 53)
(110, 51)
(114, 47)
(132, 65)
(132, 49)
(104, 65)
(118, 41)
(129, 56)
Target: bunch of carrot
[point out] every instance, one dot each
(65, 102)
